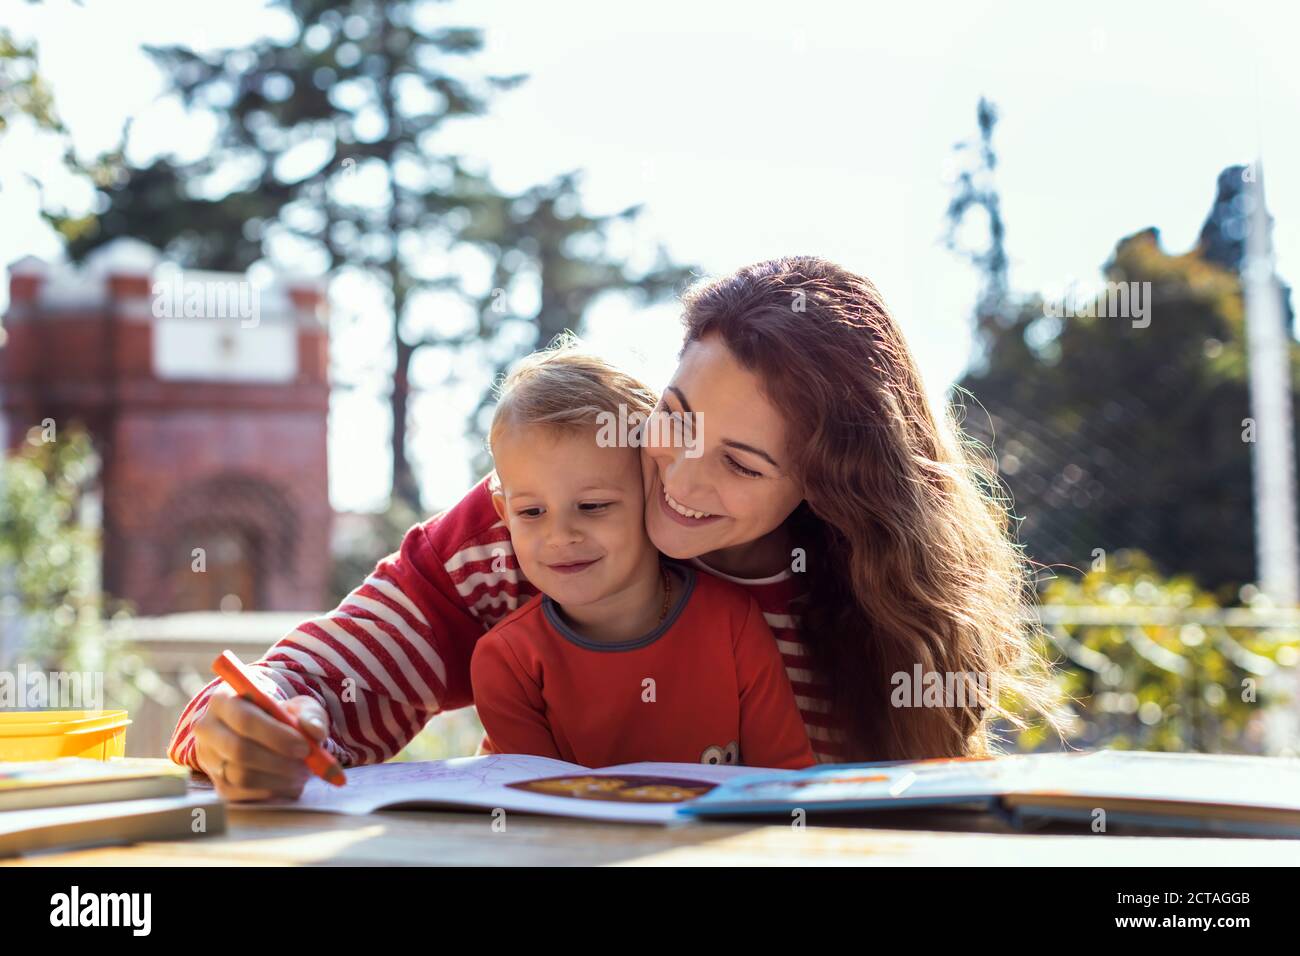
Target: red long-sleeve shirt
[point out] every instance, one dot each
(705, 686)
(397, 650)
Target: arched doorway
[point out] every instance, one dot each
(224, 542)
(222, 573)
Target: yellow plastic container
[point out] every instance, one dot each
(51, 734)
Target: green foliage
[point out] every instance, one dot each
(1111, 435)
(973, 189)
(542, 238)
(358, 93)
(47, 558)
(26, 95)
(23, 90)
(52, 612)
(1162, 685)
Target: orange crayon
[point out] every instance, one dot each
(231, 669)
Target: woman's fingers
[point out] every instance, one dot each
(236, 749)
(225, 789)
(241, 772)
(271, 784)
(249, 754)
(219, 769)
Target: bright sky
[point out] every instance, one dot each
(751, 130)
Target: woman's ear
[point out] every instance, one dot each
(499, 503)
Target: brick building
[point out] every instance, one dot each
(206, 396)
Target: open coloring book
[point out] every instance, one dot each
(1206, 793)
(629, 793)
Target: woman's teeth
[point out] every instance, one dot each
(682, 509)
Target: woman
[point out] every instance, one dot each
(817, 477)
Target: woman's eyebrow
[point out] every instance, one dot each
(686, 406)
(753, 451)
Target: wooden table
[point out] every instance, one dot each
(417, 838)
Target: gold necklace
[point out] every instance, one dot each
(668, 592)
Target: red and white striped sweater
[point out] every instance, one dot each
(396, 651)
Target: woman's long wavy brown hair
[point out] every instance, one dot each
(904, 526)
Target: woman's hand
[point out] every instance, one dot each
(248, 754)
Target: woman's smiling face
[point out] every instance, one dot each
(729, 482)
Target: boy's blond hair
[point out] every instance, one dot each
(566, 386)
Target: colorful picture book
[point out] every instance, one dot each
(1204, 793)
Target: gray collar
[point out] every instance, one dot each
(687, 576)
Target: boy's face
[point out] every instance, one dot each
(575, 511)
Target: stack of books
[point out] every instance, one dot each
(75, 802)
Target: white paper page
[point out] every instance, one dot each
(369, 788)
(483, 782)
(1209, 779)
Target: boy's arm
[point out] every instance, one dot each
(509, 702)
(396, 651)
(772, 732)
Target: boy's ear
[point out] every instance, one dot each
(499, 503)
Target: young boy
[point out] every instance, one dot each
(623, 656)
